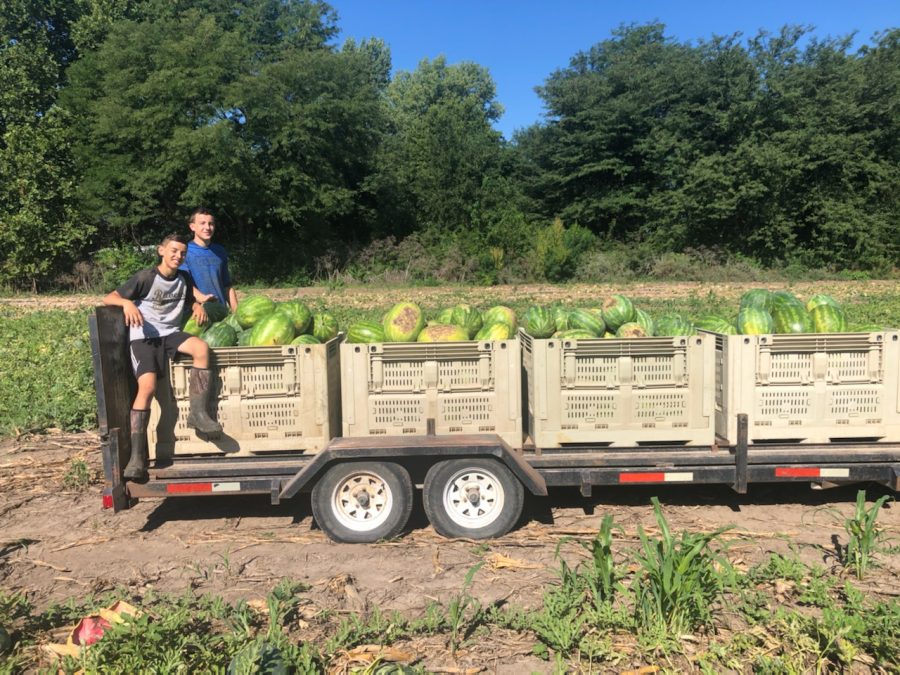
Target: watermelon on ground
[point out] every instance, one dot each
(617, 310)
(755, 321)
(274, 329)
(403, 322)
(443, 333)
(363, 332)
(253, 308)
(538, 322)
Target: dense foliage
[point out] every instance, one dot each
(118, 117)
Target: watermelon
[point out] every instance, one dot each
(274, 329)
(607, 335)
(500, 314)
(403, 322)
(785, 299)
(791, 318)
(365, 332)
(445, 316)
(324, 326)
(232, 321)
(299, 313)
(645, 320)
(306, 339)
(632, 329)
(468, 317)
(574, 334)
(191, 327)
(759, 298)
(820, 299)
(560, 316)
(617, 310)
(220, 335)
(538, 322)
(715, 324)
(244, 338)
(673, 324)
(755, 321)
(443, 333)
(498, 330)
(253, 308)
(586, 320)
(828, 319)
(215, 311)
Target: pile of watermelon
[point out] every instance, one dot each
(760, 312)
(406, 322)
(261, 322)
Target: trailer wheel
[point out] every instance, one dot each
(476, 498)
(362, 502)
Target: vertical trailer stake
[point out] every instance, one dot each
(740, 456)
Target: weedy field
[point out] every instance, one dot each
(662, 579)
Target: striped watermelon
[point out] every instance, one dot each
(324, 326)
(586, 320)
(820, 299)
(617, 310)
(274, 329)
(560, 317)
(673, 324)
(403, 322)
(632, 329)
(191, 327)
(715, 324)
(538, 322)
(498, 330)
(646, 321)
(306, 339)
(574, 334)
(791, 318)
(244, 338)
(755, 321)
(220, 335)
(299, 313)
(759, 298)
(828, 319)
(253, 308)
(363, 332)
(443, 333)
(468, 317)
(445, 316)
(500, 314)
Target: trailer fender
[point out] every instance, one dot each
(431, 447)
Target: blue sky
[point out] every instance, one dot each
(522, 42)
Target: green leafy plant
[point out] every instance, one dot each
(864, 534)
(464, 611)
(77, 476)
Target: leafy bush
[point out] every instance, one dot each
(111, 267)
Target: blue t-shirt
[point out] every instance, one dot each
(209, 269)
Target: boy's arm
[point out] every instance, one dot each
(133, 316)
(232, 299)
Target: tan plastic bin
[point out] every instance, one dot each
(809, 388)
(268, 399)
(395, 389)
(620, 392)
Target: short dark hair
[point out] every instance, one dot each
(200, 210)
(174, 236)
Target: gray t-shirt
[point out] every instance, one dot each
(160, 300)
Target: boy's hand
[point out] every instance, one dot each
(203, 297)
(133, 316)
(200, 314)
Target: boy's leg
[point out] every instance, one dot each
(199, 418)
(136, 469)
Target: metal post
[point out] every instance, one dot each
(740, 456)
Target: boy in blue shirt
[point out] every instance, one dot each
(207, 262)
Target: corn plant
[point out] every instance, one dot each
(678, 581)
(863, 533)
(463, 610)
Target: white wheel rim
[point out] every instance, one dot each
(362, 501)
(473, 498)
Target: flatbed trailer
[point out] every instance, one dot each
(472, 484)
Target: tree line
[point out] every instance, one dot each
(117, 117)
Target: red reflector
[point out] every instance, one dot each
(655, 477)
(188, 487)
(797, 471)
(107, 501)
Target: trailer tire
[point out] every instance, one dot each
(473, 498)
(362, 502)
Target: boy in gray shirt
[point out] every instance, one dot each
(154, 301)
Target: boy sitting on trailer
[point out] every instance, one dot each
(154, 301)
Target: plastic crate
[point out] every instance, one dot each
(267, 399)
(398, 389)
(809, 388)
(619, 392)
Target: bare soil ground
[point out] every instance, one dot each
(57, 543)
(372, 296)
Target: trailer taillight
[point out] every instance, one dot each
(107, 501)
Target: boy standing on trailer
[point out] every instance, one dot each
(208, 262)
(155, 301)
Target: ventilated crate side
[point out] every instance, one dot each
(809, 388)
(394, 389)
(620, 392)
(267, 399)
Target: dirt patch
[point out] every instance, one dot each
(58, 543)
(366, 297)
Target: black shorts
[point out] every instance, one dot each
(149, 355)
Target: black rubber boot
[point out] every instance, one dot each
(137, 464)
(199, 418)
